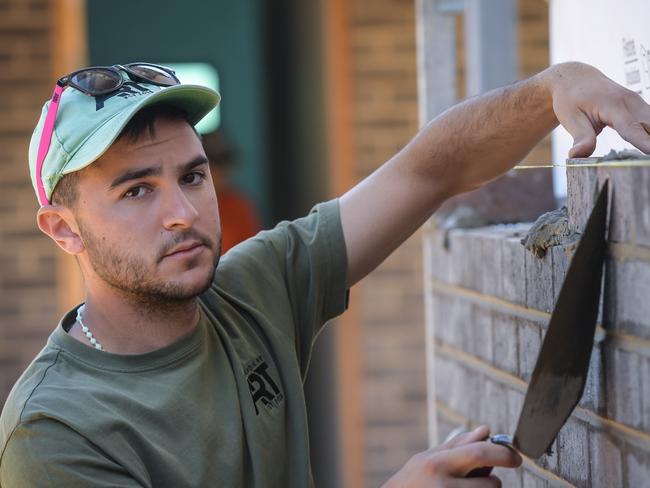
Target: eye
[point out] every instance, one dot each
(193, 178)
(135, 192)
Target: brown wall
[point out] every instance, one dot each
(384, 113)
(28, 299)
(37, 281)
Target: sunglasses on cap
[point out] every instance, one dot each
(95, 81)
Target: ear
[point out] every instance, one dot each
(58, 222)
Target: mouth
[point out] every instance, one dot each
(187, 249)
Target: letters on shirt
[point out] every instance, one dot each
(263, 388)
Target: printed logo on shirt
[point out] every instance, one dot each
(264, 390)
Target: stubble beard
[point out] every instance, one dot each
(134, 277)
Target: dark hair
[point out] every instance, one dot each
(65, 192)
(145, 119)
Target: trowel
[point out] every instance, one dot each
(560, 374)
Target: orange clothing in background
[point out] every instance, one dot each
(239, 220)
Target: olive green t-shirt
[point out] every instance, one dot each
(223, 406)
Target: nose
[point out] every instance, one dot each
(177, 210)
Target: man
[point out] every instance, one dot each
(172, 374)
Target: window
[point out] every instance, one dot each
(200, 74)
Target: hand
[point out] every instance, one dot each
(447, 465)
(585, 101)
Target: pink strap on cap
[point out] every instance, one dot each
(44, 144)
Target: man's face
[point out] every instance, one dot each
(148, 216)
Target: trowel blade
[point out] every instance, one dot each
(560, 373)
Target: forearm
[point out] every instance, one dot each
(481, 138)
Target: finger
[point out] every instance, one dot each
(454, 433)
(583, 133)
(646, 127)
(638, 134)
(463, 459)
(479, 434)
(633, 120)
(489, 482)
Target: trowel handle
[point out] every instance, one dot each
(484, 472)
(480, 472)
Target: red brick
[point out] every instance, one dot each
(505, 339)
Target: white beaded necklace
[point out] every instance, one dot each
(86, 330)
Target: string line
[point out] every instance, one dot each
(605, 164)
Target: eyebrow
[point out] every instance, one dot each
(136, 174)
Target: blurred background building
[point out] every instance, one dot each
(315, 96)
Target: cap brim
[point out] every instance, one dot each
(197, 101)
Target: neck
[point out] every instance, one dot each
(135, 325)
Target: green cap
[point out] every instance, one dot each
(86, 126)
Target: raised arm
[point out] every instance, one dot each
(476, 141)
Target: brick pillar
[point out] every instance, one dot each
(389, 303)
(27, 258)
(37, 281)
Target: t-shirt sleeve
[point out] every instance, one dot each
(46, 453)
(302, 263)
(312, 251)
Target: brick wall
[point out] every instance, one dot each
(390, 301)
(28, 303)
(491, 301)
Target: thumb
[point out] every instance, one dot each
(584, 136)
